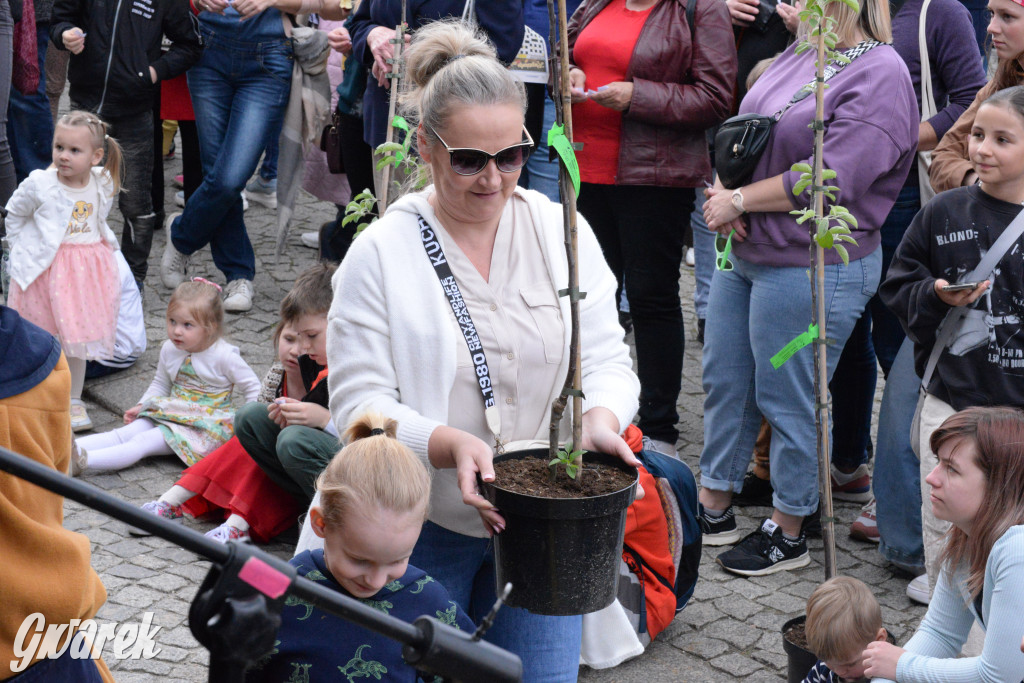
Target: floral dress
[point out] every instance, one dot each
(194, 421)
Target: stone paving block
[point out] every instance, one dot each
(737, 606)
(736, 665)
(783, 602)
(137, 596)
(705, 648)
(127, 548)
(700, 613)
(736, 632)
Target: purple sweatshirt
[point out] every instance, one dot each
(871, 121)
(957, 72)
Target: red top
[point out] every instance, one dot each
(603, 51)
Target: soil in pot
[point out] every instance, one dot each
(532, 477)
(794, 643)
(561, 553)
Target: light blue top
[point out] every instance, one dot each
(930, 656)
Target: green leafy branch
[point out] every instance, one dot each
(569, 458)
(834, 228)
(358, 210)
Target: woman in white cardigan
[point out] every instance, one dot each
(396, 346)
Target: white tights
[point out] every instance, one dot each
(125, 445)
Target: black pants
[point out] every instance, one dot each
(134, 133)
(357, 158)
(641, 232)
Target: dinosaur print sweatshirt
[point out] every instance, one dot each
(313, 645)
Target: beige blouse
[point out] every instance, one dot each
(517, 317)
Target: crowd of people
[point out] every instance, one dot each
(383, 352)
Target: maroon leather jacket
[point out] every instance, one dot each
(679, 91)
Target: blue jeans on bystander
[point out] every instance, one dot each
(753, 311)
(29, 122)
(239, 91)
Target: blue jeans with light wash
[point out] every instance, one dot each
(755, 310)
(29, 122)
(239, 91)
(542, 175)
(548, 646)
(703, 257)
(897, 481)
(878, 335)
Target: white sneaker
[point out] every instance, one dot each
(173, 264)
(79, 459)
(80, 421)
(245, 203)
(263, 192)
(311, 240)
(917, 590)
(690, 260)
(238, 296)
(179, 199)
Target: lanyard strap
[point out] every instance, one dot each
(432, 245)
(831, 70)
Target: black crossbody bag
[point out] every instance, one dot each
(741, 140)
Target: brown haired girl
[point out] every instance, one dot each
(978, 486)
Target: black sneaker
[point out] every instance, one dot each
(718, 530)
(755, 491)
(765, 551)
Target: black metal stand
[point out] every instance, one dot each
(236, 612)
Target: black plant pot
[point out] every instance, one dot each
(561, 555)
(799, 659)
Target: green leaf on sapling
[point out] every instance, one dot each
(841, 250)
(387, 147)
(801, 168)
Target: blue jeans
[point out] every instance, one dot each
(878, 334)
(268, 169)
(542, 175)
(548, 646)
(897, 480)
(239, 91)
(703, 256)
(754, 311)
(29, 122)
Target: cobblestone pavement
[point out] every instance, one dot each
(729, 630)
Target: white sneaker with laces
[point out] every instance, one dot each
(238, 296)
(173, 264)
(311, 239)
(690, 258)
(225, 532)
(917, 590)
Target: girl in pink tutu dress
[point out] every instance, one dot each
(63, 274)
(187, 408)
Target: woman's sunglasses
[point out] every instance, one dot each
(469, 161)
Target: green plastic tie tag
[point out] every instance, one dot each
(401, 124)
(792, 347)
(574, 294)
(574, 392)
(560, 143)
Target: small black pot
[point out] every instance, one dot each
(561, 555)
(799, 659)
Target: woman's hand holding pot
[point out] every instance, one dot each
(450, 447)
(880, 658)
(600, 433)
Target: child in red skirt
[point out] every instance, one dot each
(63, 274)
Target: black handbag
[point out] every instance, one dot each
(741, 140)
(330, 144)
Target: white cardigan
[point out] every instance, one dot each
(37, 219)
(391, 349)
(220, 367)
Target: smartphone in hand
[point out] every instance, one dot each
(961, 287)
